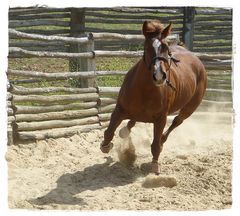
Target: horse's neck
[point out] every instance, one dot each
(143, 66)
(143, 75)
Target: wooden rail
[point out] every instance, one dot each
(19, 34)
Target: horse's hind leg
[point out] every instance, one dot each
(116, 119)
(125, 131)
(186, 111)
(175, 123)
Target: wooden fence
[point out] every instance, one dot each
(212, 31)
(62, 110)
(202, 29)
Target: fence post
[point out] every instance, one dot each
(11, 127)
(77, 29)
(188, 26)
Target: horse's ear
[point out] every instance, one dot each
(166, 31)
(145, 28)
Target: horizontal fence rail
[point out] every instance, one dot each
(13, 32)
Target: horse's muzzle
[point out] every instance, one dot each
(159, 80)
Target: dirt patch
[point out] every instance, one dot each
(72, 173)
(152, 181)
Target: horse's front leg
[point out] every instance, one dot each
(157, 144)
(115, 120)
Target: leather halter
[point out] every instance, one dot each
(164, 59)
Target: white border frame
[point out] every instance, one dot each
(106, 3)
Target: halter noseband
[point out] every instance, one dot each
(164, 59)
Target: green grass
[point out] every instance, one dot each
(108, 64)
(61, 65)
(39, 64)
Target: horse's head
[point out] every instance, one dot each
(156, 52)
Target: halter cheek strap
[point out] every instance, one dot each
(175, 61)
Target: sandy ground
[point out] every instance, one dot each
(72, 173)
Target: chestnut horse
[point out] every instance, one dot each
(168, 78)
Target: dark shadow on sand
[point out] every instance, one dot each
(91, 178)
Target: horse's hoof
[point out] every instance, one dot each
(124, 132)
(156, 168)
(106, 148)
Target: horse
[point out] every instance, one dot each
(167, 79)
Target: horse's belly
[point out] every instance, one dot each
(143, 112)
(142, 117)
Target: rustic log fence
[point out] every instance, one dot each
(202, 29)
(63, 110)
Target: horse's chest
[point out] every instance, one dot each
(144, 107)
(153, 105)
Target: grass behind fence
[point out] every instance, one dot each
(61, 65)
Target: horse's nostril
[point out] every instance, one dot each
(154, 78)
(164, 76)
